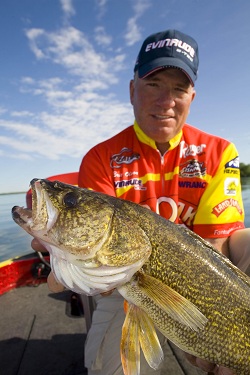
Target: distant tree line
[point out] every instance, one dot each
(244, 170)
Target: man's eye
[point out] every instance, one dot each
(180, 89)
(152, 84)
(70, 200)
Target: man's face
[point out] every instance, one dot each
(161, 103)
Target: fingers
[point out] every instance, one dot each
(210, 368)
(201, 363)
(53, 284)
(37, 246)
(224, 371)
(239, 248)
(191, 358)
(205, 365)
(105, 294)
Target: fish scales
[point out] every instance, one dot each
(157, 263)
(202, 275)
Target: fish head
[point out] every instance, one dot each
(65, 216)
(86, 233)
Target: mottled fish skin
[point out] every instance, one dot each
(122, 233)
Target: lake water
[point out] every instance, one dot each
(246, 199)
(15, 241)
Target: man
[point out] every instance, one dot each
(185, 175)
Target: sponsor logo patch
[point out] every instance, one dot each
(180, 46)
(117, 174)
(230, 186)
(191, 150)
(232, 167)
(222, 206)
(135, 182)
(192, 184)
(125, 156)
(234, 163)
(192, 168)
(226, 231)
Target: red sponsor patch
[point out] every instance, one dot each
(222, 206)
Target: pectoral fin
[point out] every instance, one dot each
(130, 347)
(170, 301)
(138, 331)
(149, 341)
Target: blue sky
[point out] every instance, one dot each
(66, 66)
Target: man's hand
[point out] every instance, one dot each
(53, 284)
(37, 246)
(211, 368)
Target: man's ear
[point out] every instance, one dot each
(193, 94)
(131, 90)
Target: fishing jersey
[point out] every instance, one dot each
(195, 183)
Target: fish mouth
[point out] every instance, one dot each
(38, 220)
(22, 216)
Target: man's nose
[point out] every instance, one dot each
(166, 98)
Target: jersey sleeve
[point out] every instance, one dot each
(220, 210)
(95, 172)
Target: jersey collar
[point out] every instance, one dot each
(150, 142)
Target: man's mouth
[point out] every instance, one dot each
(163, 117)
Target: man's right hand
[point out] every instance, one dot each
(37, 246)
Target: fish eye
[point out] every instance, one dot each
(70, 200)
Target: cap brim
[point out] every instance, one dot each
(166, 62)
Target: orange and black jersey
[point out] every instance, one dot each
(196, 182)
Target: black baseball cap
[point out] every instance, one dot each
(167, 49)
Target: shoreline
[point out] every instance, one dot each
(15, 192)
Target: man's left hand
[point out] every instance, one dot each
(211, 368)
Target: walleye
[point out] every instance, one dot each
(172, 279)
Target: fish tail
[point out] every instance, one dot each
(138, 332)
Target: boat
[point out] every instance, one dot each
(40, 332)
(26, 270)
(44, 333)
